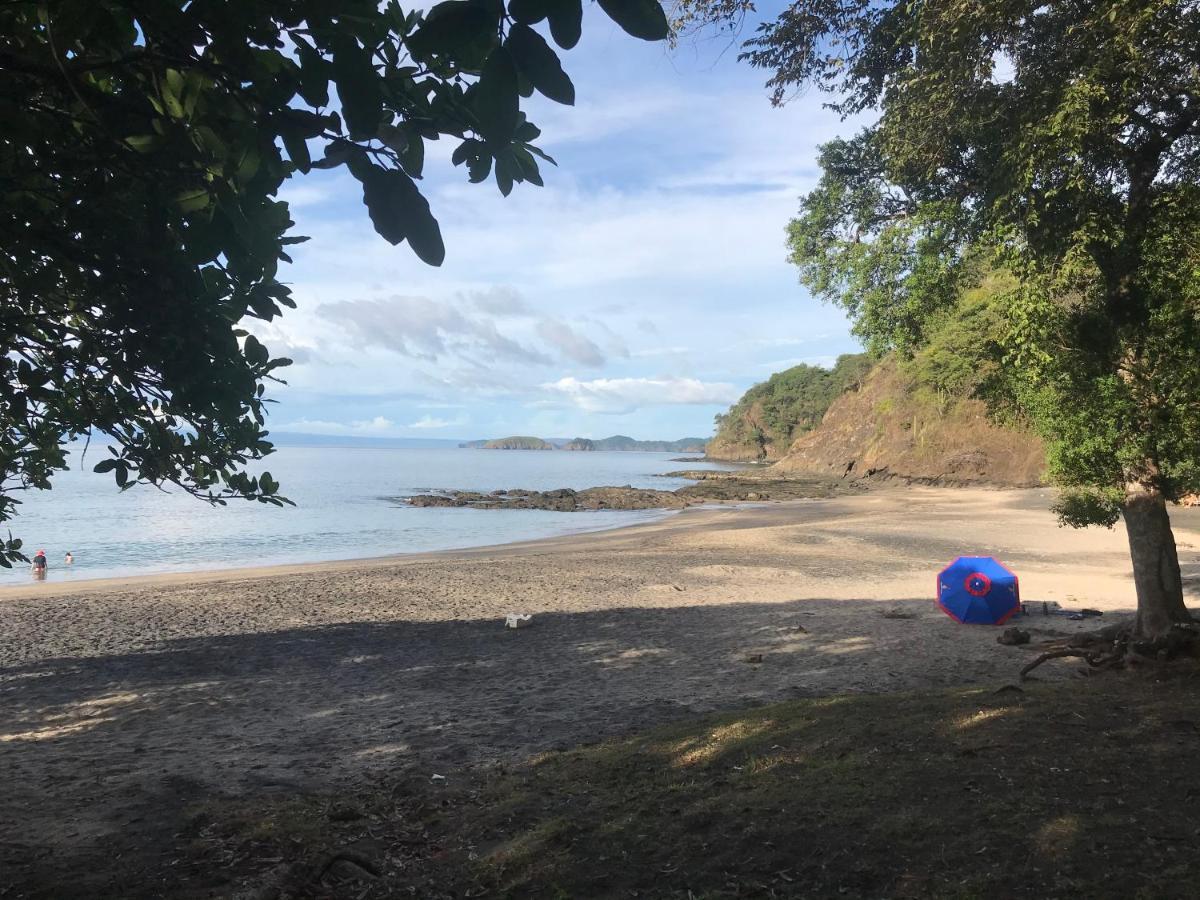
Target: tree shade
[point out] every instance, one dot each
(143, 149)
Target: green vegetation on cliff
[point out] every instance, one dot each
(944, 410)
(1074, 166)
(772, 414)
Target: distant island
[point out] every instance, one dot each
(517, 442)
(616, 442)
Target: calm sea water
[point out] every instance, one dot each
(341, 512)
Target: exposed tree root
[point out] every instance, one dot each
(1115, 646)
(1095, 659)
(1107, 635)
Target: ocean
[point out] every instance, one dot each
(342, 511)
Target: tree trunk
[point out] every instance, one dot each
(1155, 562)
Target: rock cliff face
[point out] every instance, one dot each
(750, 444)
(886, 429)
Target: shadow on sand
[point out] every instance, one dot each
(105, 754)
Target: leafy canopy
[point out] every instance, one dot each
(1059, 141)
(143, 149)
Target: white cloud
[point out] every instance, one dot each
(424, 329)
(778, 365)
(570, 344)
(432, 422)
(379, 425)
(303, 194)
(499, 301)
(652, 263)
(615, 395)
(785, 341)
(659, 351)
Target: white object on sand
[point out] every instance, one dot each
(517, 620)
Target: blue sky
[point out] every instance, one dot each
(641, 291)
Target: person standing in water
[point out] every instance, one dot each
(68, 559)
(39, 565)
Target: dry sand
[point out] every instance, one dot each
(123, 701)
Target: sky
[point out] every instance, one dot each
(640, 292)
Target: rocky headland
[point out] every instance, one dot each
(710, 487)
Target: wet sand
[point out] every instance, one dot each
(123, 701)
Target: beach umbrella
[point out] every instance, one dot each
(978, 590)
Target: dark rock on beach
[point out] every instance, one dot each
(561, 500)
(711, 487)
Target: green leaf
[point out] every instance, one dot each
(527, 132)
(461, 152)
(314, 74)
(643, 19)
(255, 351)
(172, 93)
(479, 166)
(193, 200)
(360, 88)
(541, 154)
(495, 100)
(336, 153)
(459, 30)
(399, 212)
(394, 137)
(412, 157)
(540, 64)
(528, 165)
(143, 143)
(297, 149)
(506, 171)
(566, 23)
(530, 12)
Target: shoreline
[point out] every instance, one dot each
(767, 513)
(129, 707)
(110, 583)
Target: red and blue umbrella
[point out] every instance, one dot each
(978, 590)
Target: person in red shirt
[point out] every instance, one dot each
(40, 564)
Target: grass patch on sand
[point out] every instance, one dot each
(1084, 789)
(1079, 789)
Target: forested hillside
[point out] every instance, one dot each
(894, 426)
(945, 409)
(763, 424)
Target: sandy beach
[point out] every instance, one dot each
(124, 702)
